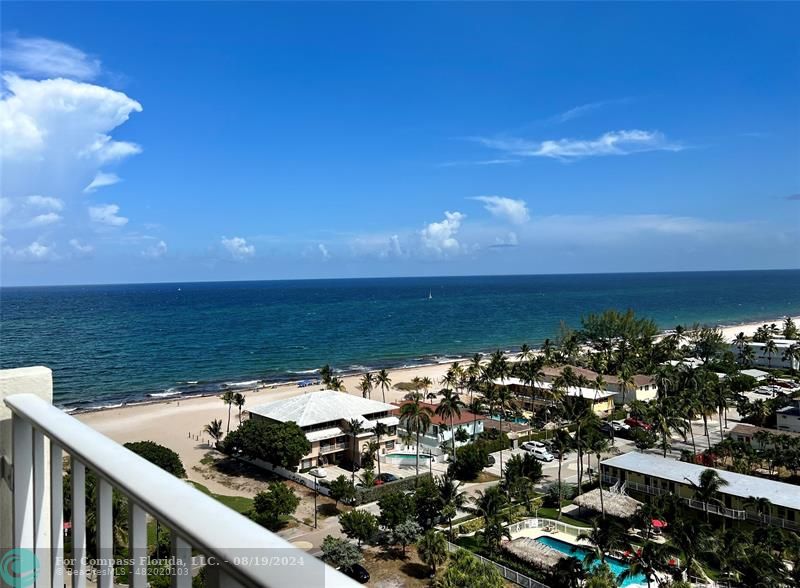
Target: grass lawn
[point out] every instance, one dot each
(238, 503)
(552, 513)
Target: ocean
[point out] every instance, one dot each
(113, 344)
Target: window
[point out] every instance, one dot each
(390, 445)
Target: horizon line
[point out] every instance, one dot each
(443, 276)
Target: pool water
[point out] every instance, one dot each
(580, 553)
(518, 420)
(408, 456)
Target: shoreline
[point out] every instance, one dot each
(729, 331)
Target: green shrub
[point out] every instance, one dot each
(471, 459)
(162, 456)
(365, 495)
(470, 526)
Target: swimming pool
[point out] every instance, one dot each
(518, 420)
(616, 565)
(406, 458)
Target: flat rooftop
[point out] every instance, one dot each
(587, 393)
(314, 408)
(778, 493)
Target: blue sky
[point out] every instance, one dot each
(217, 141)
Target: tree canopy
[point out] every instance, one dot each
(163, 457)
(281, 444)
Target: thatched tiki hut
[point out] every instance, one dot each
(616, 505)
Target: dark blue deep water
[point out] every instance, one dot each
(109, 344)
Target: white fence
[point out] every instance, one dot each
(536, 523)
(506, 572)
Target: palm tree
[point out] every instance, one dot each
(707, 489)
(597, 443)
(214, 430)
(365, 386)
(325, 374)
(792, 355)
(336, 384)
(666, 420)
(770, 349)
(525, 352)
(354, 428)
(426, 383)
(489, 504)
(227, 398)
(747, 356)
(693, 540)
(568, 573)
(562, 443)
(449, 408)
(762, 505)
(475, 407)
(647, 560)
(383, 380)
(432, 549)
(417, 419)
(452, 497)
(380, 431)
(505, 401)
(238, 400)
(605, 536)
(626, 381)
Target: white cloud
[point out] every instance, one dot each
(37, 57)
(585, 109)
(36, 251)
(440, 237)
(156, 251)
(106, 214)
(82, 248)
(238, 247)
(623, 142)
(41, 220)
(46, 202)
(62, 125)
(101, 180)
(323, 251)
(510, 209)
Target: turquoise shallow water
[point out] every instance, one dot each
(111, 344)
(616, 565)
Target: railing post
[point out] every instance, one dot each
(78, 474)
(105, 534)
(41, 510)
(181, 574)
(22, 432)
(137, 545)
(56, 515)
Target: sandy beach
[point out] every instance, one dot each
(178, 423)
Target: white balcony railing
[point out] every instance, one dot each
(332, 448)
(237, 551)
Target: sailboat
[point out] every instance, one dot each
(430, 295)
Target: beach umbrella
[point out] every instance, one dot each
(657, 524)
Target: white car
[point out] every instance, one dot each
(542, 454)
(532, 445)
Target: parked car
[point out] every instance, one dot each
(607, 428)
(358, 572)
(638, 424)
(385, 478)
(542, 454)
(620, 426)
(531, 445)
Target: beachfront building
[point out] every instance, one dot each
(440, 432)
(778, 359)
(324, 416)
(643, 387)
(788, 417)
(759, 437)
(539, 395)
(649, 474)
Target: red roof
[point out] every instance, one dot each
(466, 416)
